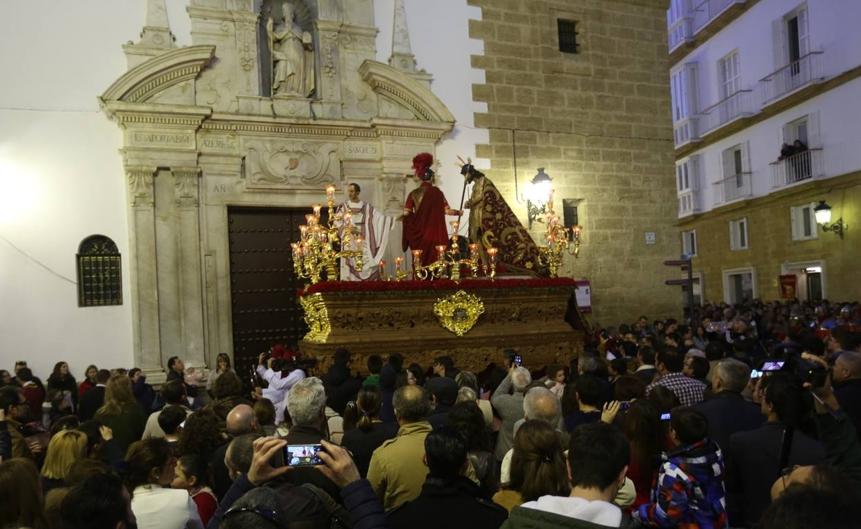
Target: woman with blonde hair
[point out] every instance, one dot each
(64, 449)
(121, 412)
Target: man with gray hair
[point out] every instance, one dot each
(507, 400)
(727, 412)
(306, 404)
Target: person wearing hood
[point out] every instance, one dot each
(689, 491)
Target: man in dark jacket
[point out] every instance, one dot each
(443, 391)
(755, 456)
(446, 493)
(847, 385)
(727, 412)
(92, 400)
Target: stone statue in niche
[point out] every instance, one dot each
(292, 56)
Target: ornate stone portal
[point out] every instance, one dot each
(202, 131)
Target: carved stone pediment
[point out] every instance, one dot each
(291, 164)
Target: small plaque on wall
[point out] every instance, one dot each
(651, 238)
(99, 272)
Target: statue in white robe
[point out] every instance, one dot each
(373, 226)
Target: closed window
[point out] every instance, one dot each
(738, 236)
(99, 272)
(803, 222)
(689, 243)
(739, 286)
(729, 73)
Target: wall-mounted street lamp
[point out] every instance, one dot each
(822, 211)
(539, 194)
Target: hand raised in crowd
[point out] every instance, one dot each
(107, 433)
(824, 399)
(261, 469)
(338, 465)
(611, 409)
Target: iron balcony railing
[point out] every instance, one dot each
(737, 105)
(797, 168)
(733, 188)
(791, 77)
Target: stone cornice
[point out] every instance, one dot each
(142, 82)
(405, 91)
(161, 115)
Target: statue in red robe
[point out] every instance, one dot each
(424, 213)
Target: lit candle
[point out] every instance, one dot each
(417, 257)
(492, 252)
(317, 208)
(455, 225)
(473, 248)
(303, 230)
(382, 269)
(309, 218)
(358, 242)
(440, 250)
(330, 192)
(576, 231)
(398, 261)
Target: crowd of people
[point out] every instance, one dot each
(749, 418)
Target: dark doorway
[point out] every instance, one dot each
(814, 286)
(263, 286)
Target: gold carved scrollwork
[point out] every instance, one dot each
(459, 312)
(317, 318)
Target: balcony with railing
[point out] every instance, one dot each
(737, 105)
(799, 167)
(686, 130)
(793, 76)
(707, 11)
(733, 188)
(680, 32)
(689, 203)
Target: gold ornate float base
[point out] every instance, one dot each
(528, 319)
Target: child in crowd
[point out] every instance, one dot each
(192, 475)
(689, 491)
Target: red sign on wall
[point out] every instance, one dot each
(788, 286)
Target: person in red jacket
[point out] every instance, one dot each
(425, 211)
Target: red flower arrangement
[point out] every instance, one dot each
(438, 284)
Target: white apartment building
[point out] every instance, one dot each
(747, 77)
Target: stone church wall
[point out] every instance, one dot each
(598, 121)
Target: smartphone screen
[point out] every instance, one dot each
(624, 405)
(302, 455)
(772, 366)
(518, 360)
(665, 416)
(755, 374)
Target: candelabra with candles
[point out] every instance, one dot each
(316, 253)
(448, 261)
(558, 243)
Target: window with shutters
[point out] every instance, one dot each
(803, 222)
(738, 235)
(99, 272)
(683, 90)
(567, 35)
(729, 75)
(689, 243)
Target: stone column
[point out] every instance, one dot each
(189, 266)
(144, 270)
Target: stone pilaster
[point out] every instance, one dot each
(143, 267)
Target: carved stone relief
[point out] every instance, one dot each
(288, 165)
(185, 186)
(141, 191)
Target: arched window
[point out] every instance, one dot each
(100, 280)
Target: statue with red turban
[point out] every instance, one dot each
(425, 211)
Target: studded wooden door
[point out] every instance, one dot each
(263, 286)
